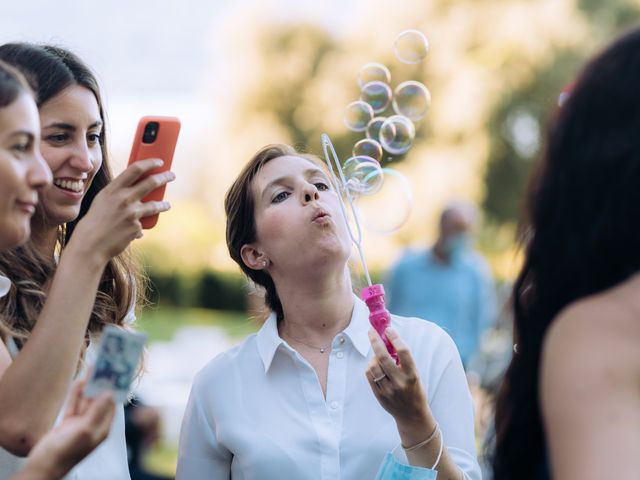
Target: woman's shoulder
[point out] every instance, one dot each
(609, 320)
(594, 341)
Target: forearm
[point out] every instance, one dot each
(34, 386)
(415, 431)
(41, 468)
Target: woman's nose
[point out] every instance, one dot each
(311, 195)
(82, 158)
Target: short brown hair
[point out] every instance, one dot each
(239, 205)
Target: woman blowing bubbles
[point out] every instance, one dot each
(296, 399)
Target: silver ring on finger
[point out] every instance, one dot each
(380, 378)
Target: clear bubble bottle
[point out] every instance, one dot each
(379, 316)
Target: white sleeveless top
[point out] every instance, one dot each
(107, 462)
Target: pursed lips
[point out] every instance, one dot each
(320, 214)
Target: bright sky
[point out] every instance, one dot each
(154, 56)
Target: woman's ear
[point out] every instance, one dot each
(253, 258)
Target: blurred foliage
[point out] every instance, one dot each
(508, 165)
(296, 60)
(162, 323)
(206, 289)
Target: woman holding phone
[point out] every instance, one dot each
(73, 276)
(23, 173)
(314, 393)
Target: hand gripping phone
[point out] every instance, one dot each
(156, 137)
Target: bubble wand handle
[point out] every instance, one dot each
(373, 295)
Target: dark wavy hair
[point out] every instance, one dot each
(239, 206)
(580, 233)
(50, 70)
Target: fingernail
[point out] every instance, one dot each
(158, 162)
(390, 332)
(172, 176)
(167, 205)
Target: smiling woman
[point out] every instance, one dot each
(22, 170)
(73, 277)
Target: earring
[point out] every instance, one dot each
(265, 263)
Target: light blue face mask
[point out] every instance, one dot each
(392, 469)
(457, 244)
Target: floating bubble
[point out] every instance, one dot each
(373, 128)
(357, 116)
(377, 94)
(411, 46)
(411, 99)
(397, 134)
(369, 148)
(390, 208)
(373, 72)
(363, 174)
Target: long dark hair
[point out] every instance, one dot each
(50, 70)
(581, 234)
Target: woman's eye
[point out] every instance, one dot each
(280, 197)
(21, 147)
(93, 138)
(58, 138)
(321, 186)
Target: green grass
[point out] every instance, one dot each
(161, 324)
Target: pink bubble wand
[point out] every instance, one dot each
(373, 295)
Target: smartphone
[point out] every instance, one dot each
(117, 363)
(156, 137)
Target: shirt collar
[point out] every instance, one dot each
(5, 285)
(268, 340)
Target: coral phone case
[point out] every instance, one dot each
(156, 137)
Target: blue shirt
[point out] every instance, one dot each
(459, 296)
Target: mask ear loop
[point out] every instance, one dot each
(342, 185)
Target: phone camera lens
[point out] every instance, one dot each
(150, 132)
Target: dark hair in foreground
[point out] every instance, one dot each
(581, 234)
(50, 70)
(239, 206)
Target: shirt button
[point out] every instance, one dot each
(341, 339)
(339, 354)
(334, 404)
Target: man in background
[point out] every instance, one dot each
(449, 283)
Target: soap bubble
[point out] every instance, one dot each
(390, 208)
(373, 72)
(369, 148)
(363, 174)
(397, 134)
(377, 94)
(411, 46)
(373, 128)
(411, 99)
(357, 116)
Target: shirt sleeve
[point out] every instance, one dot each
(451, 404)
(200, 456)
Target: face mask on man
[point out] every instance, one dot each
(457, 244)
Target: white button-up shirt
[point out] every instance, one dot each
(257, 411)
